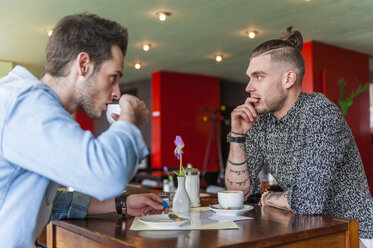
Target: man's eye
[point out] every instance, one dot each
(114, 79)
(259, 77)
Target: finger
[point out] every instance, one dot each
(251, 108)
(150, 210)
(248, 107)
(154, 201)
(156, 198)
(114, 116)
(245, 113)
(250, 100)
(238, 114)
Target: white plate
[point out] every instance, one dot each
(229, 212)
(161, 221)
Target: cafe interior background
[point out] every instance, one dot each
(190, 67)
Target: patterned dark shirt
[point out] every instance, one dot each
(312, 153)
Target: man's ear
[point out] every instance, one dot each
(83, 64)
(290, 78)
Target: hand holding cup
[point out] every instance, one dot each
(130, 109)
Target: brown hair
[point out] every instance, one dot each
(82, 33)
(285, 50)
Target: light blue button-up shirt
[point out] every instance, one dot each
(42, 147)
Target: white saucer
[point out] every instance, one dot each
(161, 221)
(219, 210)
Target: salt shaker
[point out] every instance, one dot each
(192, 185)
(166, 186)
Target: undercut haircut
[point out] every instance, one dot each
(285, 50)
(83, 33)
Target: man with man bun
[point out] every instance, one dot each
(303, 140)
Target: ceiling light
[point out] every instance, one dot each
(219, 58)
(162, 16)
(146, 47)
(50, 32)
(252, 34)
(138, 66)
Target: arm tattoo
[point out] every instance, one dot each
(277, 195)
(239, 183)
(246, 191)
(238, 172)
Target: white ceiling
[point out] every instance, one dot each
(196, 31)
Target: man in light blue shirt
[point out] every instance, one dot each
(42, 147)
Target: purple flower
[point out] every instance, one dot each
(179, 146)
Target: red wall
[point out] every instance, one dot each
(325, 65)
(177, 99)
(84, 121)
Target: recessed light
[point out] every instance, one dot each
(162, 16)
(252, 34)
(219, 58)
(137, 65)
(146, 47)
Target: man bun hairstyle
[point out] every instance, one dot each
(285, 50)
(294, 38)
(82, 33)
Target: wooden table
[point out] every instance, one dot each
(270, 228)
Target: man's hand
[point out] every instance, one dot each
(277, 200)
(144, 204)
(133, 110)
(244, 116)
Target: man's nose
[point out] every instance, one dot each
(115, 94)
(249, 87)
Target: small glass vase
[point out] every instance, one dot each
(181, 201)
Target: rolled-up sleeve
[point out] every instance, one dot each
(325, 138)
(70, 205)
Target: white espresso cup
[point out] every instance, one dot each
(232, 199)
(112, 108)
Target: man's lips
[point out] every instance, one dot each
(257, 98)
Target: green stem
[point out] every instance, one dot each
(181, 159)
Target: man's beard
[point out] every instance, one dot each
(274, 103)
(85, 99)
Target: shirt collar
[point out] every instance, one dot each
(291, 115)
(22, 73)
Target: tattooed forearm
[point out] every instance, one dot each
(275, 195)
(239, 183)
(238, 172)
(278, 200)
(246, 191)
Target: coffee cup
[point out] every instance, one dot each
(112, 108)
(230, 199)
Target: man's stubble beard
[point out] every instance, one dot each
(85, 98)
(274, 103)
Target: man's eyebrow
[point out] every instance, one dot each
(254, 73)
(120, 74)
